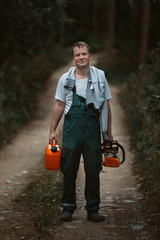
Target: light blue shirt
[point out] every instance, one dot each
(97, 92)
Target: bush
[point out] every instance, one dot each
(20, 84)
(142, 102)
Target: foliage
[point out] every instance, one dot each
(20, 85)
(142, 102)
(30, 49)
(31, 25)
(153, 104)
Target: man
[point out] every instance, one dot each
(83, 95)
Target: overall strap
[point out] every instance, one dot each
(76, 98)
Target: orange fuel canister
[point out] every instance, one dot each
(52, 157)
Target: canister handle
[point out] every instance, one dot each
(53, 147)
(53, 142)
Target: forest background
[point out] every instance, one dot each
(36, 38)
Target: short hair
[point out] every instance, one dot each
(80, 44)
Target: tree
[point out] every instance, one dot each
(95, 17)
(111, 22)
(144, 33)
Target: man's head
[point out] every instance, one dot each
(79, 45)
(81, 55)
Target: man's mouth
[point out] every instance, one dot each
(82, 61)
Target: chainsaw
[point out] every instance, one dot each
(110, 153)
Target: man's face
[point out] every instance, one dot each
(81, 57)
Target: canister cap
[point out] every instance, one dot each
(54, 149)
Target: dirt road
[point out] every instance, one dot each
(23, 159)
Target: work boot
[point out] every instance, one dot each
(66, 216)
(95, 217)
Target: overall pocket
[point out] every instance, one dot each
(66, 126)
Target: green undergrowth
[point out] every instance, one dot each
(141, 99)
(140, 96)
(22, 79)
(39, 204)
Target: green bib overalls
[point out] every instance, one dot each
(81, 134)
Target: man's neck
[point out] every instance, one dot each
(81, 73)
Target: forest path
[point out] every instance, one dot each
(120, 199)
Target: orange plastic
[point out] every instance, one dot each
(52, 159)
(111, 162)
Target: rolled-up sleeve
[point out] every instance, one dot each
(104, 109)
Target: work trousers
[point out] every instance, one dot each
(81, 135)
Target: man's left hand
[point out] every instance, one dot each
(107, 141)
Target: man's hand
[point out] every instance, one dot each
(52, 137)
(106, 142)
(110, 137)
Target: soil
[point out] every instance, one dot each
(30, 195)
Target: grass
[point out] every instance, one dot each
(42, 198)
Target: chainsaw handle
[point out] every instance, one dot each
(109, 143)
(123, 152)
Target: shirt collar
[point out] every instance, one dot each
(71, 74)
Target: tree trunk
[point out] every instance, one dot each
(111, 22)
(95, 17)
(144, 33)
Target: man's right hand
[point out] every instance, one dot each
(52, 137)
